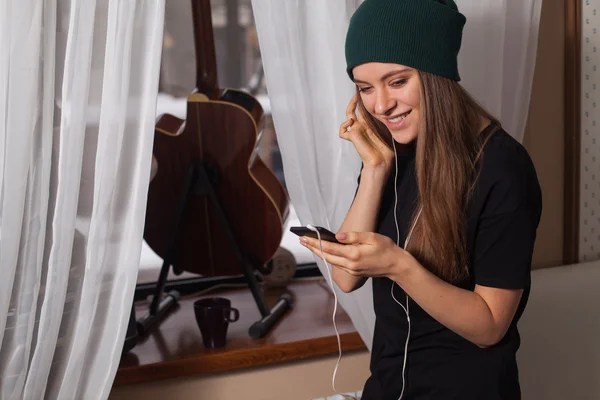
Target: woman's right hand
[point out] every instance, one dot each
(374, 152)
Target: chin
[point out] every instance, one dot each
(404, 136)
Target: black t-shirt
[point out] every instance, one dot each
(503, 218)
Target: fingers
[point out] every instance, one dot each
(355, 237)
(347, 264)
(347, 237)
(328, 247)
(352, 118)
(330, 258)
(357, 134)
(361, 115)
(344, 132)
(351, 109)
(374, 137)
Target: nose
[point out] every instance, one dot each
(384, 103)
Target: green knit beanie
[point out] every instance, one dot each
(422, 34)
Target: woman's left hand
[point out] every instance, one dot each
(364, 254)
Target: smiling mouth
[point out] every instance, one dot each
(399, 117)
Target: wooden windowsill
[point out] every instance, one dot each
(174, 349)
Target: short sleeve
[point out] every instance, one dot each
(507, 227)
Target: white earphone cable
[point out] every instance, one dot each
(405, 308)
(337, 334)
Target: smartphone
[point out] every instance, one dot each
(325, 234)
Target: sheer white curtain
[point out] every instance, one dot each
(78, 85)
(302, 47)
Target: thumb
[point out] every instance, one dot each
(349, 237)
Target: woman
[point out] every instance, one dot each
(445, 215)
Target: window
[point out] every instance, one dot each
(239, 66)
(238, 60)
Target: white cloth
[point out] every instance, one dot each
(302, 48)
(78, 85)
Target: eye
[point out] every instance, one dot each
(364, 89)
(399, 82)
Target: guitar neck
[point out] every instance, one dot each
(206, 60)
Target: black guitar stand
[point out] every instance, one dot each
(200, 180)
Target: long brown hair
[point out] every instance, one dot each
(447, 154)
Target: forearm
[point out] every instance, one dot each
(462, 311)
(362, 217)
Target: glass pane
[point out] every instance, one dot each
(239, 65)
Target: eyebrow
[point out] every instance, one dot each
(385, 76)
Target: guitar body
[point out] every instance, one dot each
(221, 132)
(225, 134)
(214, 208)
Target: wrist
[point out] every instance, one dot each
(403, 265)
(376, 173)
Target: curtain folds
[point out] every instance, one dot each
(78, 87)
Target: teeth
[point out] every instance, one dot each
(398, 119)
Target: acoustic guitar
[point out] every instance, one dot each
(222, 132)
